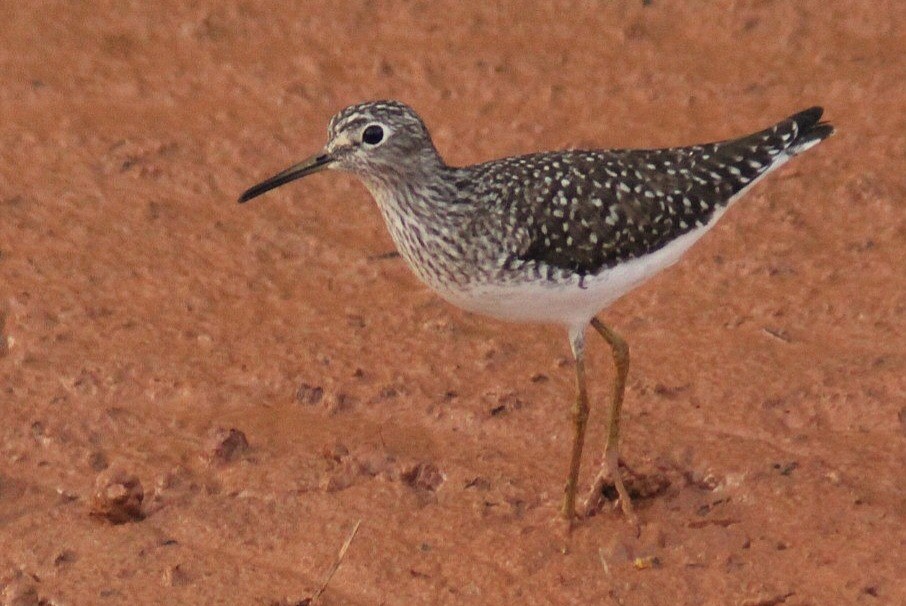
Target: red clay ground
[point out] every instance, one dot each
(144, 310)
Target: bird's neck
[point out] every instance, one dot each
(421, 191)
(425, 222)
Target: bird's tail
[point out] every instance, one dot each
(805, 129)
(742, 162)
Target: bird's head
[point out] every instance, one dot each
(378, 141)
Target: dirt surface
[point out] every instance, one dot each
(146, 315)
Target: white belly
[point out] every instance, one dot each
(571, 302)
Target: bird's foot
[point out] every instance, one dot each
(608, 484)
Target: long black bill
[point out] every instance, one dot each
(302, 169)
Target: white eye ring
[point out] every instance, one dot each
(373, 134)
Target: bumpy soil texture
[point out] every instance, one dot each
(200, 399)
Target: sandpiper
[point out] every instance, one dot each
(552, 237)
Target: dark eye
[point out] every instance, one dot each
(373, 134)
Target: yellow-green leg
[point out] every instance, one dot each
(580, 419)
(611, 465)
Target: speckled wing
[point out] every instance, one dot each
(585, 211)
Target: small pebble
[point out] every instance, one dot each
(425, 476)
(309, 394)
(64, 557)
(226, 446)
(118, 496)
(176, 576)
